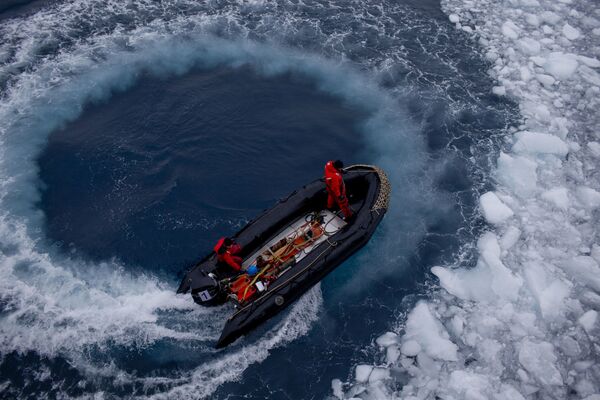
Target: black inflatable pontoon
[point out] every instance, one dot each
(302, 238)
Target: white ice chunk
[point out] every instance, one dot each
(425, 329)
(410, 348)
(517, 173)
(550, 293)
(588, 197)
(510, 238)
(488, 281)
(570, 32)
(499, 90)
(508, 392)
(560, 65)
(594, 149)
(509, 29)
(454, 18)
(585, 270)
(494, 210)
(588, 320)
(362, 372)
(545, 79)
(559, 197)
(532, 19)
(550, 17)
(529, 46)
(540, 143)
(379, 374)
(590, 62)
(589, 75)
(469, 385)
(530, 3)
(336, 386)
(387, 339)
(392, 354)
(540, 361)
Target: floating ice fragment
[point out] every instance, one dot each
(594, 149)
(499, 90)
(550, 17)
(558, 197)
(545, 80)
(529, 46)
(550, 293)
(530, 3)
(589, 75)
(517, 173)
(494, 210)
(570, 32)
(585, 270)
(510, 238)
(469, 385)
(429, 333)
(588, 197)
(379, 374)
(588, 320)
(362, 372)
(509, 29)
(336, 386)
(532, 19)
(410, 348)
(560, 65)
(590, 62)
(454, 18)
(387, 339)
(392, 354)
(540, 361)
(540, 143)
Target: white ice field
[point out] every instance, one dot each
(522, 324)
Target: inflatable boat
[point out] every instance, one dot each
(292, 246)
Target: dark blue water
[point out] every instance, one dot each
(159, 173)
(163, 164)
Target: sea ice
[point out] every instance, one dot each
(387, 339)
(570, 32)
(588, 197)
(362, 372)
(529, 46)
(509, 29)
(540, 361)
(410, 348)
(558, 196)
(588, 320)
(540, 143)
(560, 65)
(499, 90)
(428, 332)
(518, 173)
(494, 210)
(454, 18)
(585, 270)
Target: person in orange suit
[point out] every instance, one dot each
(336, 189)
(227, 251)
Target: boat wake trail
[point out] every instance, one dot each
(119, 329)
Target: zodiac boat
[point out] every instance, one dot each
(294, 244)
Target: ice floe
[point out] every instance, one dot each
(523, 322)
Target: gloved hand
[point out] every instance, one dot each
(252, 270)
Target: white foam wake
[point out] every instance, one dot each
(55, 306)
(523, 323)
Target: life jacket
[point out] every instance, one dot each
(218, 245)
(334, 181)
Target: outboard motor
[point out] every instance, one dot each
(207, 291)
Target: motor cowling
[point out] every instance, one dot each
(207, 291)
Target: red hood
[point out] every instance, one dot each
(330, 169)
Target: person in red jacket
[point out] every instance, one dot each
(336, 189)
(227, 251)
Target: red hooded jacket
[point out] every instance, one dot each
(229, 256)
(334, 181)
